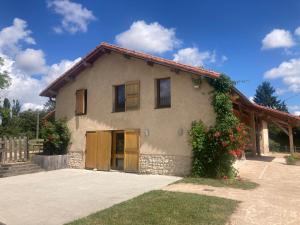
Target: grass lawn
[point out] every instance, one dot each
(232, 183)
(164, 208)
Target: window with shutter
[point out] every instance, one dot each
(81, 102)
(132, 92)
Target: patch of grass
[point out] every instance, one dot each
(232, 183)
(164, 208)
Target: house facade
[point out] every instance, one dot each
(131, 111)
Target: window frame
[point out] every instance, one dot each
(158, 104)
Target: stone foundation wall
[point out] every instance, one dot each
(76, 160)
(165, 164)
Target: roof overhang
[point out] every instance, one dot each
(105, 48)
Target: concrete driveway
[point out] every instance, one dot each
(60, 196)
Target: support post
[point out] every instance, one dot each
(253, 134)
(264, 133)
(291, 139)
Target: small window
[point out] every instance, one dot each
(163, 93)
(120, 98)
(81, 102)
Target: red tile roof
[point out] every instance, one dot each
(103, 48)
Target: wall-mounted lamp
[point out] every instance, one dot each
(197, 82)
(180, 131)
(146, 132)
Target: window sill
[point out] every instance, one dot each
(162, 107)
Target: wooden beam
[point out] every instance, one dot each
(69, 79)
(280, 126)
(86, 64)
(175, 70)
(127, 56)
(150, 63)
(291, 139)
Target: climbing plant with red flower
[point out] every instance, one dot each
(223, 143)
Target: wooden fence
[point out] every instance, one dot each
(35, 146)
(13, 149)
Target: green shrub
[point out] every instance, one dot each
(215, 149)
(291, 160)
(57, 137)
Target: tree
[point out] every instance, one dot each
(5, 112)
(16, 108)
(49, 105)
(265, 95)
(4, 77)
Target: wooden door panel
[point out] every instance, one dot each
(131, 151)
(91, 149)
(104, 150)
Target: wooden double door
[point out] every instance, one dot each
(104, 150)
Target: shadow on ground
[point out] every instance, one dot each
(261, 158)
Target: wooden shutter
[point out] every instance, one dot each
(104, 150)
(132, 95)
(81, 102)
(91, 149)
(131, 151)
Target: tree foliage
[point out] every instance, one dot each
(4, 77)
(216, 148)
(265, 95)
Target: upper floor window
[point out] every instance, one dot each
(81, 102)
(127, 96)
(163, 95)
(120, 98)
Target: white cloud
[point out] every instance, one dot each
(224, 58)
(75, 17)
(57, 69)
(251, 99)
(22, 64)
(152, 38)
(289, 72)
(10, 37)
(278, 38)
(26, 88)
(297, 31)
(31, 61)
(193, 57)
(297, 113)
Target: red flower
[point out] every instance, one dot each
(217, 134)
(224, 144)
(232, 152)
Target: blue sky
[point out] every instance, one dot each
(250, 41)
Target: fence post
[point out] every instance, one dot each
(5, 149)
(1, 151)
(26, 148)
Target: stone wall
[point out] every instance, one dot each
(165, 164)
(76, 160)
(149, 163)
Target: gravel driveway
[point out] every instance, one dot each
(57, 197)
(275, 202)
